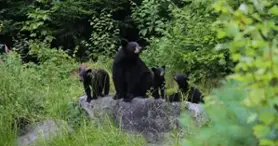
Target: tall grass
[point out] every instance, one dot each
(31, 93)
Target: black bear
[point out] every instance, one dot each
(158, 82)
(97, 79)
(132, 78)
(194, 94)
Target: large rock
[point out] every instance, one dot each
(153, 118)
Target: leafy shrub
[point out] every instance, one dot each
(149, 17)
(104, 36)
(228, 126)
(187, 44)
(247, 115)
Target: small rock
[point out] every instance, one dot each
(43, 130)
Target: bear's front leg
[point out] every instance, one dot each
(119, 83)
(87, 89)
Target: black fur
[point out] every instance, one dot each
(97, 79)
(3, 49)
(158, 82)
(131, 76)
(194, 94)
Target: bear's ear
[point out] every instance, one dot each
(175, 77)
(124, 43)
(153, 69)
(119, 48)
(163, 66)
(89, 71)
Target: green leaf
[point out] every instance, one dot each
(221, 34)
(233, 29)
(267, 117)
(222, 62)
(274, 10)
(144, 32)
(261, 130)
(266, 142)
(252, 118)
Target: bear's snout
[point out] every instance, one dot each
(137, 50)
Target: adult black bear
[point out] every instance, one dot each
(194, 94)
(97, 79)
(158, 82)
(131, 76)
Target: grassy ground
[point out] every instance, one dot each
(33, 93)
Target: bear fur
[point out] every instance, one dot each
(131, 77)
(194, 94)
(97, 79)
(158, 82)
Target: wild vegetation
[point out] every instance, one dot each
(228, 48)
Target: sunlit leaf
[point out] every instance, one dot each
(261, 130)
(274, 10)
(221, 34)
(267, 117)
(266, 142)
(252, 118)
(243, 7)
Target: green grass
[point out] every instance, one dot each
(93, 135)
(31, 93)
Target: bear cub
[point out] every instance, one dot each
(131, 76)
(158, 82)
(97, 79)
(194, 94)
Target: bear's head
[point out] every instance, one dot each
(131, 48)
(84, 73)
(182, 81)
(159, 71)
(87, 74)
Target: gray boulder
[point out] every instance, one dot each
(153, 118)
(44, 130)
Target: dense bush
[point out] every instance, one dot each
(151, 16)
(67, 24)
(187, 44)
(104, 37)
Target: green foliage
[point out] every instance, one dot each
(188, 42)
(65, 24)
(12, 16)
(254, 33)
(54, 62)
(250, 118)
(104, 36)
(228, 117)
(149, 16)
(37, 24)
(1, 27)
